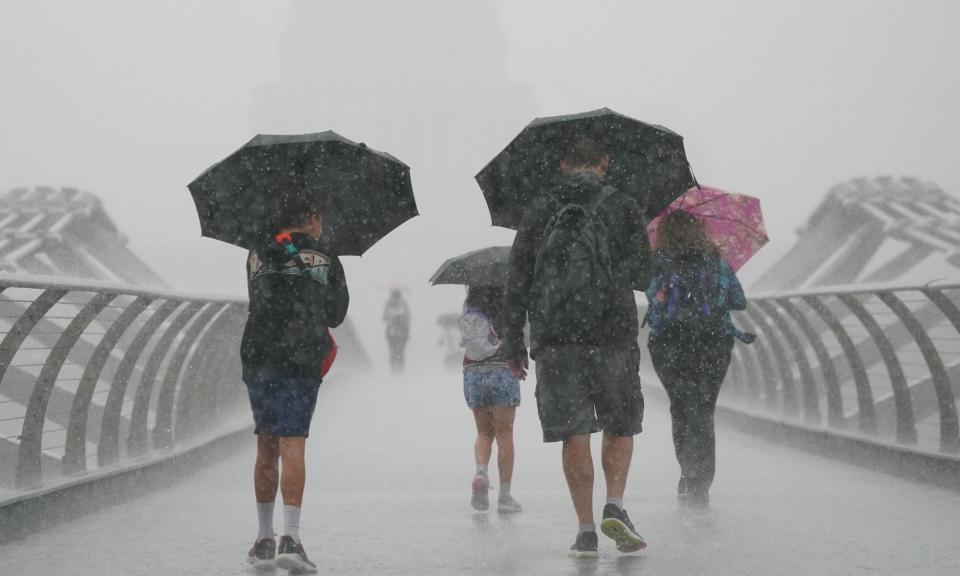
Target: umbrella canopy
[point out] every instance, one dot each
(363, 193)
(647, 162)
(734, 222)
(483, 267)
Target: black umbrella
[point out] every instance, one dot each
(647, 162)
(483, 267)
(363, 193)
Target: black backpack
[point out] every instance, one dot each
(572, 284)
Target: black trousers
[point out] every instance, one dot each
(692, 371)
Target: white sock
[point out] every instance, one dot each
(504, 489)
(591, 527)
(618, 502)
(481, 470)
(265, 515)
(291, 522)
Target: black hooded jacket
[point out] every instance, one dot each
(286, 331)
(630, 260)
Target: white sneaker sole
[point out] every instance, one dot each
(583, 554)
(295, 564)
(261, 565)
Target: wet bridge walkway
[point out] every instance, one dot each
(388, 487)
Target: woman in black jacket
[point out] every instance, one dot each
(690, 298)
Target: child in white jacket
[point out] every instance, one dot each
(491, 392)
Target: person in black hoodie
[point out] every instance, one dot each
(587, 381)
(297, 292)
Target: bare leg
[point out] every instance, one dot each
(617, 451)
(293, 476)
(485, 433)
(578, 469)
(503, 417)
(265, 470)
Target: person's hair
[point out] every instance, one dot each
(295, 208)
(681, 231)
(486, 299)
(583, 152)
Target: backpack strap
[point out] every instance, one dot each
(285, 240)
(605, 192)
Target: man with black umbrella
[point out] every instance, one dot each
(580, 251)
(297, 291)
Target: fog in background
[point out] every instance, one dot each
(132, 100)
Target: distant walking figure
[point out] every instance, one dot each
(580, 251)
(297, 291)
(491, 391)
(396, 316)
(691, 295)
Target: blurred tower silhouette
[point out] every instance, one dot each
(423, 79)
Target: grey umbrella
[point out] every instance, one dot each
(647, 162)
(483, 267)
(363, 193)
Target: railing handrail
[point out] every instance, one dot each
(936, 283)
(796, 326)
(82, 285)
(117, 324)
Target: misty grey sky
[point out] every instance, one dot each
(131, 100)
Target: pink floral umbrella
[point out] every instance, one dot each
(733, 221)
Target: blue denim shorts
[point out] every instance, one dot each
(283, 407)
(483, 388)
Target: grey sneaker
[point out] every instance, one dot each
(585, 546)
(291, 556)
(480, 500)
(507, 505)
(263, 555)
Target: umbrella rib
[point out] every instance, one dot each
(735, 221)
(705, 202)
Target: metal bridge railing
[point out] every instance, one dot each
(881, 361)
(94, 376)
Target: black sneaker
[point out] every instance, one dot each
(291, 556)
(616, 524)
(585, 546)
(263, 554)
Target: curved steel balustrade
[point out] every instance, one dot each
(880, 361)
(92, 376)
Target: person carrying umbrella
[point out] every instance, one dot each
(492, 392)
(297, 291)
(490, 388)
(690, 297)
(580, 250)
(297, 203)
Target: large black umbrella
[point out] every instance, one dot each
(647, 162)
(483, 267)
(363, 193)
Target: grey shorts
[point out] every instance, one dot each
(585, 389)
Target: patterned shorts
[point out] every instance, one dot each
(487, 387)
